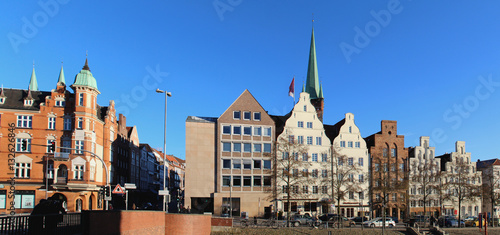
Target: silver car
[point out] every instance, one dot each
(378, 222)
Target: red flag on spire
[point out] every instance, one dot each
(291, 90)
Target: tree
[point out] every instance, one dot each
(490, 188)
(424, 178)
(287, 160)
(458, 184)
(341, 181)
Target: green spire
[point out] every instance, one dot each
(312, 82)
(85, 78)
(320, 91)
(61, 81)
(33, 83)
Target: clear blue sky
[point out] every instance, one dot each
(421, 67)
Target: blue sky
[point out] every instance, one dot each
(433, 66)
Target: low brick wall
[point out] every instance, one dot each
(124, 222)
(218, 221)
(187, 224)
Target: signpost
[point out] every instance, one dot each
(127, 187)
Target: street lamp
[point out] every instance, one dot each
(167, 94)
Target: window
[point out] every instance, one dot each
(226, 180)
(247, 164)
(318, 140)
(247, 115)
(267, 164)
(257, 164)
(80, 123)
(314, 157)
(357, 144)
(78, 172)
(59, 103)
(23, 170)
(67, 124)
(24, 121)
(247, 181)
(257, 181)
(309, 140)
(49, 143)
(315, 173)
(267, 131)
(342, 144)
(351, 178)
(257, 131)
(257, 148)
(393, 167)
(377, 166)
(305, 108)
(237, 181)
(267, 148)
(361, 195)
(52, 123)
(80, 99)
(350, 161)
(401, 166)
(226, 130)
(66, 144)
(349, 144)
(315, 189)
(324, 189)
(309, 125)
(324, 173)
(300, 139)
(305, 157)
(28, 102)
(291, 139)
(394, 153)
(394, 197)
(267, 181)
(247, 148)
(19, 144)
(236, 163)
(351, 195)
(247, 130)
(226, 163)
(305, 189)
(361, 178)
(324, 157)
(256, 116)
(236, 130)
(50, 170)
(385, 152)
(79, 146)
(300, 124)
(236, 115)
(226, 147)
(237, 147)
(360, 161)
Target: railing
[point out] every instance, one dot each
(42, 224)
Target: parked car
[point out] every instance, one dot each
(396, 220)
(359, 219)
(298, 220)
(379, 222)
(333, 219)
(454, 223)
(474, 222)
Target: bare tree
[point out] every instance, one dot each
(490, 189)
(343, 170)
(288, 159)
(424, 178)
(459, 187)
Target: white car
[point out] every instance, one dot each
(378, 222)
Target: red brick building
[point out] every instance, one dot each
(389, 167)
(71, 120)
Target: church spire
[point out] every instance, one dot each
(33, 83)
(312, 81)
(61, 81)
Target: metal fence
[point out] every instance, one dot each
(42, 224)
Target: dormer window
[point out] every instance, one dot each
(2, 100)
(28, 102)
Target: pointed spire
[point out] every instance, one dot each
(303, 87)
(29, 97)
(33, 83)
(86, 66)
(61, 81)
(2, 94)
(312, 82)
(320, 91)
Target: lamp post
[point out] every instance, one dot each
(167, 94)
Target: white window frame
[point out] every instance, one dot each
(255, 118)
(247, 113)
(19, 143)
(52, 123)
(239, 114)
(80, 123)
(81, 100)
(79, 146)
(22, 170)
(78, 171)
(24, 121)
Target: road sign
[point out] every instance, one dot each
(130, 186)
(118, 189)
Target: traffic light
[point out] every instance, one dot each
(52, 146)
(24, 144)
(107, 191)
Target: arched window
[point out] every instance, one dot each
(78, 207)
